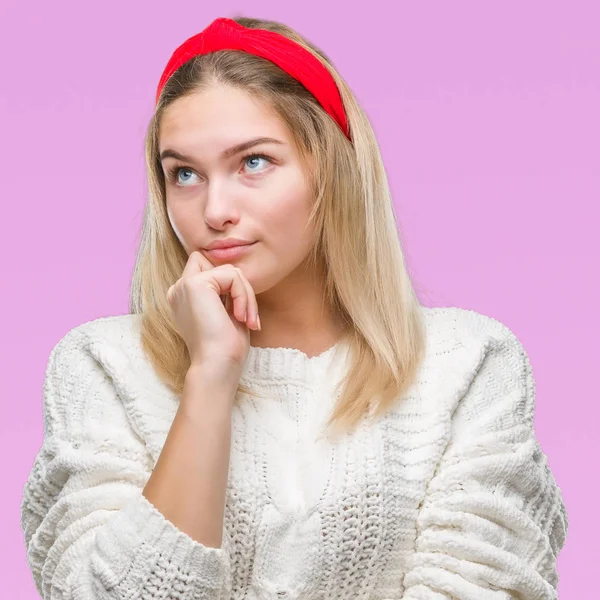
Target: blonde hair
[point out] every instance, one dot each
(366, 280)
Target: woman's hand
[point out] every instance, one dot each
(213, 308)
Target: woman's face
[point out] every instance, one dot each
(212, 196)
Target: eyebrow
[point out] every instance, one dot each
(169, 153)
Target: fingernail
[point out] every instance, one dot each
(258, 321)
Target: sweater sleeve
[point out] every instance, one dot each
(493, 519)
(90, 533)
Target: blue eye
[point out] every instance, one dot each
(174, 171)
(254, 156)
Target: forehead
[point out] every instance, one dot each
(218, 116)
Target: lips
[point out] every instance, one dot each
(228, 243)
(230, 246)
(230, 252)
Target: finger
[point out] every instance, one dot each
(239, 297)
(230, 282)
(251, 303)
(227, 303)
(196, 263)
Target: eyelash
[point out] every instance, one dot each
(174, 170)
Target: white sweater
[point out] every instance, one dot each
(449, 496)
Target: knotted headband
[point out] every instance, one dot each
(227, 34)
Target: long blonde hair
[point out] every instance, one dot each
(357, 239)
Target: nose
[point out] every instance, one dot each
(220, 206)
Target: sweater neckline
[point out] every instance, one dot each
(289, 363)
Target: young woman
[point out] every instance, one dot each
(278, 416)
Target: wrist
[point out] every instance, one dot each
(214, 374)
(206, 407)
(209, 386)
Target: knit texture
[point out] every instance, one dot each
(448, 496)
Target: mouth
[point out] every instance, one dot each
(229, 253)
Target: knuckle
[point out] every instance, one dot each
(187, 283)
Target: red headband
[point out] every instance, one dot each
(227, 34)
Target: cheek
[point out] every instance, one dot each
(286, 217)
(178, 223)
(286, 226)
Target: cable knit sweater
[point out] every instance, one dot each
(448, 496)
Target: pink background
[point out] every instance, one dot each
(488, 118)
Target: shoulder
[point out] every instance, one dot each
(464, 338)
(104, 339)
(111, 344)
(119, 329)
(98, 379)
(468, 351)
(72, 362)
(451, 327)
(76, 352)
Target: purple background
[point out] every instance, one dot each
(488, 118)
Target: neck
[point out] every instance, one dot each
(294, 315)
